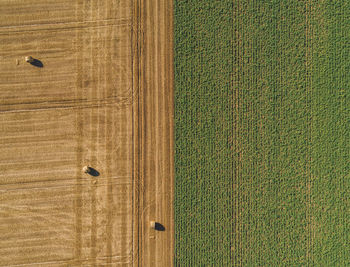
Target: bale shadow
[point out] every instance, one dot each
(93, 172)
(37, 63)
(159, 227)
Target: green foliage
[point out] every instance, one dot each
(262, 133)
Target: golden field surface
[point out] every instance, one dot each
(98, 93)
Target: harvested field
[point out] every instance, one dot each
(262, 127)
(99, 93)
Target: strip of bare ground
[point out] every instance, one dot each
(153, 128)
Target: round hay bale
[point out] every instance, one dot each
(29, 59)
(86, 169)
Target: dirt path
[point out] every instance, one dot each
(154, 79)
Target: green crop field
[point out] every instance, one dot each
(262, 127)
